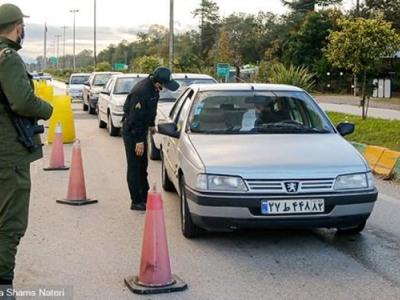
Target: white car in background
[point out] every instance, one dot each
(112, 99)
(75, 85)
(92, 89)
(167, 100)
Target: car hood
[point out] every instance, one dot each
(97, 89)
(76, 87)
(164, 108)
(278, 156)
(120, 99)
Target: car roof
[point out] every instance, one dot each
(80, 74)
(130, 75)
(245, 87)
(191, 76)
(99, 73)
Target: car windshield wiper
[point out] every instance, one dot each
(288, 127)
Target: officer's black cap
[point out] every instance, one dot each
(163, 75)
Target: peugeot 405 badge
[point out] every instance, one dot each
(292, 187)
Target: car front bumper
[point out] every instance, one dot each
(117, 119)
(218, 212)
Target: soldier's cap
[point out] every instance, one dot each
(10, 13)
(163, 75)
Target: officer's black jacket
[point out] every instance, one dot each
(140, 110)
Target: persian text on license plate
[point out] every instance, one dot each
(301, 206)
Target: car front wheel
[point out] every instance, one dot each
(102, 124)
(189, 229)
(85, 107)
(113, 131)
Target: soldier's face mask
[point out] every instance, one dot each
(21, 35)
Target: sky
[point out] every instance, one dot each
(116, 19)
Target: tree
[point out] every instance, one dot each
(103, 67)
(308, 5)
(389, 8)
(360, 45)
(209, 23)
(304, 46)
(146, 64)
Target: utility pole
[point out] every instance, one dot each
(95, 33)
(74, 11)
(358, 8)
(171, 35)
(45, 48)
(58, 50)
(63, 64)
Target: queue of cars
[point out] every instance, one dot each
(248, 155)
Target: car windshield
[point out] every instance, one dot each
(254, 113)
(79, 79)
(101, 79)
(169, 96)
(125, 85)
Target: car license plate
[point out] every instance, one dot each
(284, 207)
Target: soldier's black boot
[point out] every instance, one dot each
(138, 206)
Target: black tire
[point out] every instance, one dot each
(167, 184)
(92, 110)
(102, 124)
(189, 229)
(154, 153)
(113, 131)
(85, 107)
(352, 230)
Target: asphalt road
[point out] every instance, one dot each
(93, 248)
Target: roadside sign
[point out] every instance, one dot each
(223, 70)
(53, 60)
(120, 67)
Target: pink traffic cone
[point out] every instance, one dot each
(57, 152)
(155, 271)
(76, 187)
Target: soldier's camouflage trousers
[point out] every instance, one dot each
(15, 186)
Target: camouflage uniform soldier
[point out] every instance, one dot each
(16, 97)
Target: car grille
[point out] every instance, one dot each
(279, 186)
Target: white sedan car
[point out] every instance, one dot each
(112, 99)
(167, 100)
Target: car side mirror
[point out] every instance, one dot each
(67, 82)
(87, 83)
(345, 128)
(168, 129)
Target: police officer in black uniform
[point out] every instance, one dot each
(140, 111)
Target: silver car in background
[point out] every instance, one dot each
(167, 99)
(260, 155)
(75, 85)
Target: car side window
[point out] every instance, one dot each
(184, 111)
(178, 104)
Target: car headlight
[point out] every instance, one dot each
(119, 108)
(354, 181)
(220, 183)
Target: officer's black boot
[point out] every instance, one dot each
(6, 289)
(138, 206)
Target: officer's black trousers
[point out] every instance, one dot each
(137, 171)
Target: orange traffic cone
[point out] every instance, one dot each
(155, 271)
(57, 153)
(76, 188)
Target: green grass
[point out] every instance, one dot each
(377, 132)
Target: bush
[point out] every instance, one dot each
(297, 76)
(146, 64)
